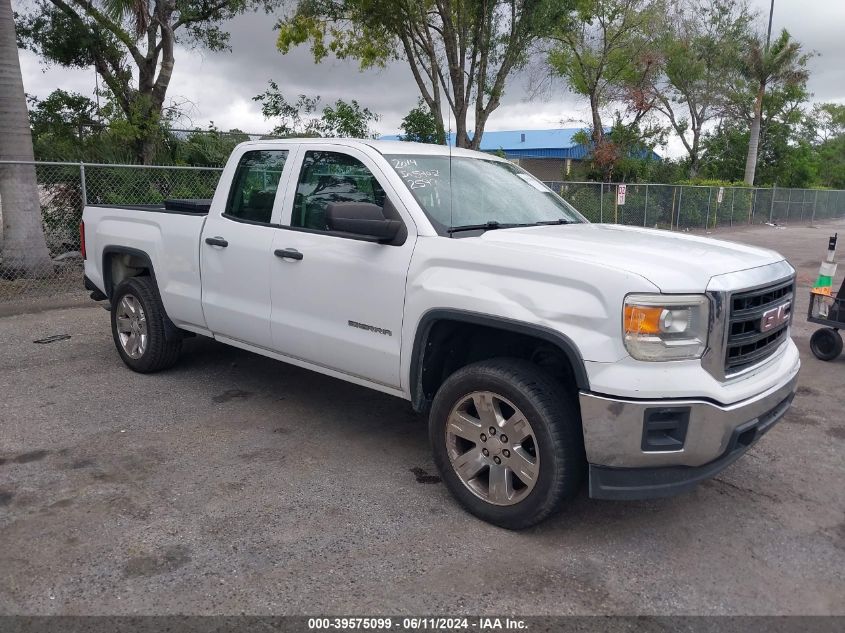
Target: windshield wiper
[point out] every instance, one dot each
(493, 224)
(487, 226)
(551, 222)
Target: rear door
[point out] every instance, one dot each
(339, 301)
(236, 249)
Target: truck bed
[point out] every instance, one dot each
(168, 237)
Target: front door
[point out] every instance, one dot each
(236, 251)
(338, 301)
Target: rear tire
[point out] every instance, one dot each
(522, 479)
(826, 344)
(138, 327)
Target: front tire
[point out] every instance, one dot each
(507, 441)
(138, 327)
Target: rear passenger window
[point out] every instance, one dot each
(328, 177)
(255, 184)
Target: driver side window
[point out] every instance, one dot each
(329, 177)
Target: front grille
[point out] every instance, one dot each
(747, 344)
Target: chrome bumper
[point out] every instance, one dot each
(614, 428)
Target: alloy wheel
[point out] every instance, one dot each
(131, 326)
(492, 448)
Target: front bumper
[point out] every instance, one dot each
(709, 437)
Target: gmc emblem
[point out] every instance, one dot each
(775, 317)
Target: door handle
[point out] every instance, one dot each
(216, 241)
(288, 253)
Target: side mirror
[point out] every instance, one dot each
(362, 219)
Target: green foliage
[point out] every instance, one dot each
(64, 126)
(420, 126)
(209, 147)
(602, 58)
(825, 128)
(301, 117)
(781, 63)
(130, 44)
(603, 52)
(710, 182)
(293, 119)
(724, 152)
(830, 160)
(61, 38)
(347, 120)
(70, 127)
(625, 153)
(698, 53)
(825, 122)
(463, 50)
(791, 142)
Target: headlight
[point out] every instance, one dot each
(665, 327)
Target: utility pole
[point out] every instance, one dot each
(769, 33)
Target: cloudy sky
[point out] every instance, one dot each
(219, 86)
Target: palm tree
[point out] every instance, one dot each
(783, 63)
(24, 249)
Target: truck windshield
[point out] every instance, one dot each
(480, 194)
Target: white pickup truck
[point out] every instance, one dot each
(543, 347)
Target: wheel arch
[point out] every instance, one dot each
(429, 367)
(121, 262)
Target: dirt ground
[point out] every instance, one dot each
(236, 484)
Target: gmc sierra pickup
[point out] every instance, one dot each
(542, 347)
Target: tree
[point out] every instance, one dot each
(301, 119)
(826, 122)
(625, 153)
(783, 64)
(786, 156)
(609, 58)
(420, 126)
(701, 43)
(64, 126)
(347, 120)
(24, 248)
(830, 159)
(125, 39)
(826, 129)
(463, 50)
(209, 147)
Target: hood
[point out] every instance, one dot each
(674, 262)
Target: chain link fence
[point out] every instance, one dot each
(686, 207)
(65, 188)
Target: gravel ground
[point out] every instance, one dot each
(236, 484)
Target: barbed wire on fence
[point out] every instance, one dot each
(65, 188)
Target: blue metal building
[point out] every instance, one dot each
(548, 154)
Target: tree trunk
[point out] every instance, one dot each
(24, 248)
(598, 130)
(461, 136)
(754, 138)
(694, 159)
(147, 150)
(441, 129)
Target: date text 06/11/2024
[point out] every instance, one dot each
(416, 624)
